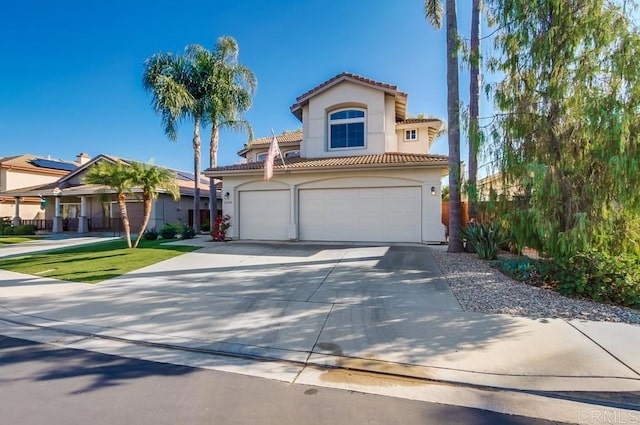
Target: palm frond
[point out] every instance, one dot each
(433, 11)
(226, 50)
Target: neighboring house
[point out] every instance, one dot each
(496, 184)
(75, 206)
(29, 170)
(359, 170)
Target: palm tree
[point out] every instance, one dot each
(228, 90)
(151, 179)
(118, 177)
(177, 93)
(474, 106)
(433, 14)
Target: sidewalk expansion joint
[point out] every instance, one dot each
(326, 277)
(631, 402)
(603, 348)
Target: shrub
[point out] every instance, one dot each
(4, 223)
(486, 238)
(168, 231)
(220, 227)
(8, 231)
(188, 232)
(151, 234)
(599, 276)
(25, 229)
(523, 269)
(205, 227)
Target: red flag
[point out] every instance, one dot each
(274, 150)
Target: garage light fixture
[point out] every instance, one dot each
(433, 191)
(226, 196)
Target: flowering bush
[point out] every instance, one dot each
(220, 227)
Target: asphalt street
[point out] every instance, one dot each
(44, 384)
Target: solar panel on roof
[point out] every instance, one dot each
(55, 165)
(184, 176)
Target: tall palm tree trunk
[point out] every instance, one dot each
(213, 162)
(453, 117)
(474, 107)
(124, 216)
(196, 175)
(147, 216)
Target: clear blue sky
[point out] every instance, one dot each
(70, 70)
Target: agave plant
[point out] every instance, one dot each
(486, 238)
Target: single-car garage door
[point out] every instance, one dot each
(264, 214)
(388, 214)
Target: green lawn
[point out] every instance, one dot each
(95, 262)
(7, 240)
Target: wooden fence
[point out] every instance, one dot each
(464, 214)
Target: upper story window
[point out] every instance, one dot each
(292, 154)
(346, 129)
(411, 135)
(261, 156)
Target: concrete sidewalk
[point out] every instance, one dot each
(314, 308)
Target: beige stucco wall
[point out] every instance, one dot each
(419, 146)
(28, 210)
(496, 184)
(17, 179)
(391, 141)
(342, 95)
(432, 228)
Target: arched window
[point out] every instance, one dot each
(346, 129)
(261, 156)
(292, 154)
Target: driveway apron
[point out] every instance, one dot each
(380, 308)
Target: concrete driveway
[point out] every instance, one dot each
(376, 308)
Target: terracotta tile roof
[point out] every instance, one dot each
(419, 120)
(348, 75)
(294, 137)
(296, 108)
(381, 160)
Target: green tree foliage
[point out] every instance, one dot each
(119, 178)
(177, 90)
(123, 178)
(152, 179)
(568, 125)
(475, 139)
(207, 87)
(227, 87)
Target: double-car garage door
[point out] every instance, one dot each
(380, 214)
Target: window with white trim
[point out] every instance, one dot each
(347, 129)
(261, 156)
(411, 135)
(292, 154)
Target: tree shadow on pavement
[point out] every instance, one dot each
(100, 370)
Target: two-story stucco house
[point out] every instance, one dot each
(358, 171)
(73, 205)
(27, 170)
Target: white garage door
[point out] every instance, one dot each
(390, 214)
(264, 215)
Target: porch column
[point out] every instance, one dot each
(83, 223)
(57, 218)
(16, 214)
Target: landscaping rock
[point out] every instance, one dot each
(481, 288)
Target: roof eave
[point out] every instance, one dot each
(358, 167)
